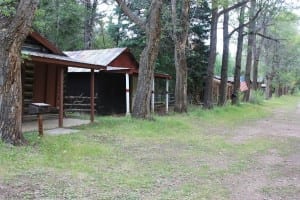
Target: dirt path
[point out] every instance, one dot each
(283, 123)
(276, 175)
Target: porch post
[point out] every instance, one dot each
(92, 95)
(167, 95)
(61, 98)
(152, 95)
(127, 94)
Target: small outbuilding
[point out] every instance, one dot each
(43, 72)
(115, 86)
(216, 85)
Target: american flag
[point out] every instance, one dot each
(243, 84)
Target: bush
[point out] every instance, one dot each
(256, 97)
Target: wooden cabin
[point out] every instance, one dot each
(114, 87)
(216, 85)
(43, 72)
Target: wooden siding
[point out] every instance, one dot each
(125, 60)
(216, 92)
(45, 84)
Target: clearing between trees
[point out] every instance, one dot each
(236, 152)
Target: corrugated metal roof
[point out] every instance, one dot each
(65, 59)
(99, 56)
(48, 55)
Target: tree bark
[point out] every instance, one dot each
(238, 58)
(141, 108)
(224, 69)
(91, 10)
(268, 90)
(251, 40)
(208, 104)
(14, 29)
(180, 35)
(257, 52)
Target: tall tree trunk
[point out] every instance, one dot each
(208, 104)
(119, 25)
(141, 108)
(181, 80)
(268, 90)
(271, 74)
(14, 29)
(238, 58)
(91, 11)
(251, 40)
(224, 69)
(57, 26)
(257, 52)
(180, 35)
(255, 65)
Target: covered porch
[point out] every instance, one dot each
(48, 86)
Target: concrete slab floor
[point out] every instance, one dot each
(52, 124)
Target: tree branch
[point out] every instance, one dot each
(246, 24)
(268, 37)
(232, 7)
(133, 17)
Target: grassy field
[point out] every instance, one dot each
(172, 157)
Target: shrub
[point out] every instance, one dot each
(256, 97)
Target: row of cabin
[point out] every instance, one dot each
(98, 81)
(216, 86)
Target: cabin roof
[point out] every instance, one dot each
(59, 59)
(105, 57)
(99, 56)
(229, 79)
(46, 43)
(39, 49)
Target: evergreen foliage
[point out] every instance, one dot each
(198, 51)
(62, 22)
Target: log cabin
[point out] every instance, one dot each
(216, 85)
(43, 71)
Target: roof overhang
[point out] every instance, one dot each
(46, 43)
(157, 75)
(108, 68)
(60, 60)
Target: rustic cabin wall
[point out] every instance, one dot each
(27, 77)
(45, 84)
(124, 60)
(51, 85)
(229, 91)
(40, 82)
(215, 91)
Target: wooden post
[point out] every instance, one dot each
(152, 93)
(127, 94)
(40, 125)
(167, 95)
(92, 95)
(61, 97)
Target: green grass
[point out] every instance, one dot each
(171, 157)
